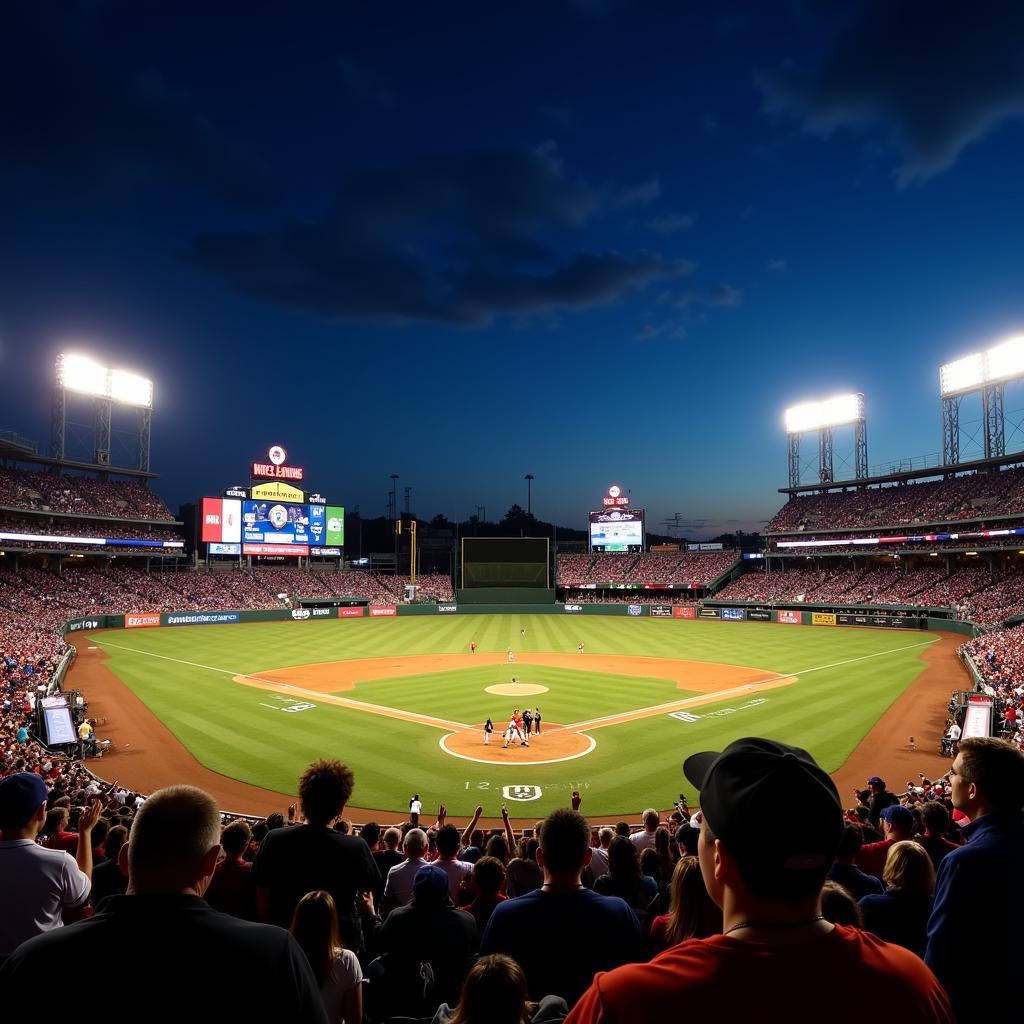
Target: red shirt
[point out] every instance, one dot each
(872, 856)
(726, 979)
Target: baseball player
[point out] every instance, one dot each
(511, 656)
(524, 739)
(488, 729)
(472, 647)
(512, 732)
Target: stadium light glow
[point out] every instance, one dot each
(1002, 362)
(131, 389)
(85, 376)
(81, 374)
(1005, 360)
(832, 412)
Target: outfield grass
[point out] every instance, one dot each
(184, 675)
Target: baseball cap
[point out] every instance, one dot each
(876, 781)
(430, 882)
(20, 797)
(739, 793)
(898, 816)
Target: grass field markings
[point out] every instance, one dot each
(516, 764)
(625, 716)
(324, 698)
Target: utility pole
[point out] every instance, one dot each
(529, 493)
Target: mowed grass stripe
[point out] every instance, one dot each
(635, 763)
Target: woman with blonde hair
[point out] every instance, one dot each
(495, 992)
(692, 913)
(900, 914)
(336, 969)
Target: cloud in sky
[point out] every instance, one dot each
(73, 112)
(933, 77)
(669, 223)
(776, 266)
(458, 239)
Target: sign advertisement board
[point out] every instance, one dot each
(335, 526)
(790, 618)
(734, 614)
(351, 613)
(823, 619)
(140, 621)
(382, 610)
(684, 613)
(661, 611)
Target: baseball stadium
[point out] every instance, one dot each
(241, 645)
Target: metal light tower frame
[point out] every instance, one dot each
(79, 376)
(823, 417)
(986, 374)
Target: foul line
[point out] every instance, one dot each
(261, 682)
(654, 709)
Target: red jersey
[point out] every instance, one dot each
(722, 978)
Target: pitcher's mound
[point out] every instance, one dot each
(516, 689)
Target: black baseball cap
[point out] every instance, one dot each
(742, 789)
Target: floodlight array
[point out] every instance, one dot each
(87, 377)
(832, 412)
(1002, 362)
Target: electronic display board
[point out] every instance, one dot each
(221, 521)
(617, 529)
(335, 525)
(280, 522)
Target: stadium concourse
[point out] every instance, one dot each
(596, 897)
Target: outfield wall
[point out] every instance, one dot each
(724, 613)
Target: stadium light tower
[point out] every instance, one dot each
(985, 372)
(823, 416)
(529, 493)
(79, 375)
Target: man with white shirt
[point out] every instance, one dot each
(644, 840)
(448, 846)
(599, 854)
(37, 884)
(398, 887)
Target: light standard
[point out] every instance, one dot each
(529, 493)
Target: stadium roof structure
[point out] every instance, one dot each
(19, 449)
(904, 476)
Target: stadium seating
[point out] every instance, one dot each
(80, 495)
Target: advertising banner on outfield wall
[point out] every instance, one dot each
(200, 618)
(789, 617)
(447, 609)
(77, 625)
(137, 621)
(684, 613)
(759, 614)
(823, 619)
(709, 613)
(351, 613)
(661, 611)
(379, 610)
(572, 609)
(734, 614)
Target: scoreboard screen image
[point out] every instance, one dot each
(282, 522)
(617, 530)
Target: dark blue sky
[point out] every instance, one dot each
(596, 241)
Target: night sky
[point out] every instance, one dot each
(595, 241)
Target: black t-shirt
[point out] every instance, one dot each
(184, 955)
(299, 859)
(562, 939)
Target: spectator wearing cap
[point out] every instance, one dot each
(777, 953)
(878, 799)
(561, 933)
(845, 873)
(432, 930)
(970, 891)
(165, 932)
(37, 884)
(897, 824)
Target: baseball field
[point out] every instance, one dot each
(403, 701)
